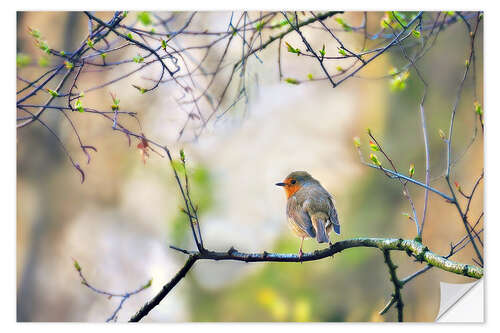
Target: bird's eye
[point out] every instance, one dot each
(293, 181)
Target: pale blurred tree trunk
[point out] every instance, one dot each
(41, 175)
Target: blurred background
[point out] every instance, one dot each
(119, 223)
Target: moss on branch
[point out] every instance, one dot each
(421, 252)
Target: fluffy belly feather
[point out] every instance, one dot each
(296, 229)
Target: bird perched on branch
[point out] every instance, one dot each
(310, 208)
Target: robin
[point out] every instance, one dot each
(310, 208)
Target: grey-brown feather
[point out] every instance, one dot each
(299, 219)
(315, 217)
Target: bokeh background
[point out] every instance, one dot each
(119, 223)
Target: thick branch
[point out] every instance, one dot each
(396, 297)
(164, 291)
(420, 251)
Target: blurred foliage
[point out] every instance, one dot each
(23, 60)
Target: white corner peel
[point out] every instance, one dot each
(462, 302)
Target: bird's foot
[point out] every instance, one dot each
(331, 246)
(300, 255)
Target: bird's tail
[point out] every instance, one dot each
(336, 227)
(319, 226)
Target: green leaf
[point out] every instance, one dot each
(90, 43)
(279, 24)
(104, 55)
(291, 49)
(183, 156)
(375, 160)
(115, 106)
(411, 170)
(344, 25)
(144, 18)
(322, 51)
(62, 53)
(164, 44)
(138, 59)
(478, 108)
(116, 102)
(129, 35)
(22, 60)
(310, 76)
(373, 146)
(53, 92)
(43, 46)
(79, 106)
(340, 69)
(68, 64)
(386, 21)
(416, 33)
(398, 83)
(77, 265)
(141, 90)
(147, 285)
(342, 51)
(259, 25)
(400, 17)
(34, 32)
(291, 81)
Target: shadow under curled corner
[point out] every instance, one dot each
(461, 303)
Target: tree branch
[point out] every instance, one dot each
(398, 285)
(164, 291)
(421, 252)
(280, 36)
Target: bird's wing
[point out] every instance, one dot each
(297, 213)
(324, 202)
(333, 214)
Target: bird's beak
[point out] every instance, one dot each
(280, 184)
